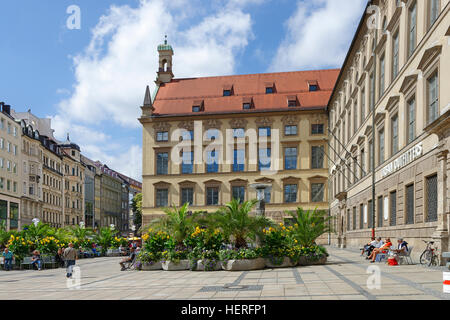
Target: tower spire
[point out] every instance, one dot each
(165, 74)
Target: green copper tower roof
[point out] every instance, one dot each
(165, 46)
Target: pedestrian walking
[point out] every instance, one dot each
(70, 256)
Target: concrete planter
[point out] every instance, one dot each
(172, 266)
(304, 261)
(205, 266)
(151, 267)
(244, 265)
(286, 263)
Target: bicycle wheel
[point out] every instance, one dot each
(425, 258)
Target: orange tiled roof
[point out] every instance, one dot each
(179, 96)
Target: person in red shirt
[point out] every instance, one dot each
(375, 252)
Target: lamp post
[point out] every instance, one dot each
(260, 195)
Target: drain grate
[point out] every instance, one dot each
(232, 287)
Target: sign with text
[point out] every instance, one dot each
(402, 161)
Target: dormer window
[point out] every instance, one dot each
(198, 106)
(270, 87)
(292, 101)
(313, 85)
(227, 90)
(247, 103)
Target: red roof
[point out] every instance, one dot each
(180, 95)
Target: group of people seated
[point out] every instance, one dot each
(378, 246)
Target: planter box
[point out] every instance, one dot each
(304, 261)
(287, 263)
(244, 265)
(151, 267)
(201, 266)
(172, 266)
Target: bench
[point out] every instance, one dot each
(407, 257)
(26, 262)
(447, 256)
(48, 260)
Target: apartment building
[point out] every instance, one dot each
(10, 174)
(389, 121)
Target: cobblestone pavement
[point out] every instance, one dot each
(343, 278)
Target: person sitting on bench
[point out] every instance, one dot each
(402, 249)
(369, 246)
(129, 260)
(376, 251)
(36, 260)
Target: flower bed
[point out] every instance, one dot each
(242, 260)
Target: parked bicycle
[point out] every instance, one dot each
(429, 257)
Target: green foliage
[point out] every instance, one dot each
(309, 225)
(240, 254)
(236, 223)
(178, 222)
(157, 241)
(105, 238)
(136, 207)
(204, 239)
(36, 232)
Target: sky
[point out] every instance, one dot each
(91, 80)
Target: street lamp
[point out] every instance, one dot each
(260, 195)
(35, 221)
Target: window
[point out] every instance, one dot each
(239, 193)
(162, 136)
(394, 126)
(371, 159)
(226, 93)
(187, 135)
(372, 91)
(370, 208)
(354, 218)
(265, 159)
(246, 106)
(239, 160)
(290, 130)
(239, 133)
(355, 118)
(212, 196)
(162, 198)
(212, 162)
(162, 163)
(264, 132)
(433, 98)
(313, 87)
(292, 103)
(431, 200)
(361, 216)
(409, 204)
(381, 146)
(395, 55)
(363, 106)
(433, 11)
(267, 195)
(348, 219)
(380, 212)
(187, 163)
(412, 29)
(317, 157)
(382, 75)
(290, 193)
(411, 113)
(269, 90)
(290, 159)
(187, 196)
(196, 108)
(317, 128)
(317, 192)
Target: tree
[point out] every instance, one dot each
(234, 221)
(136, 207)
(309, 225)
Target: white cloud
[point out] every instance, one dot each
(319, 34)
(121, 59)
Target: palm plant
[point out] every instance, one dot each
(235, 221)
(309, 225)
(34, 232)
(81, 233)
(105, 237)
(178, 222)
(4, 235)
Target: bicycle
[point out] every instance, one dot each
(429, 257)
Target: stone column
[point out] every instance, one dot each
(440, 236)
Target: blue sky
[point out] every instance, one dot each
(91, 81)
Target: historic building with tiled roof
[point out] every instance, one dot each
(235, 131)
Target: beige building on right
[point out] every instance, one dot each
(389, 114)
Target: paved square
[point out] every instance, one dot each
(343, 278)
